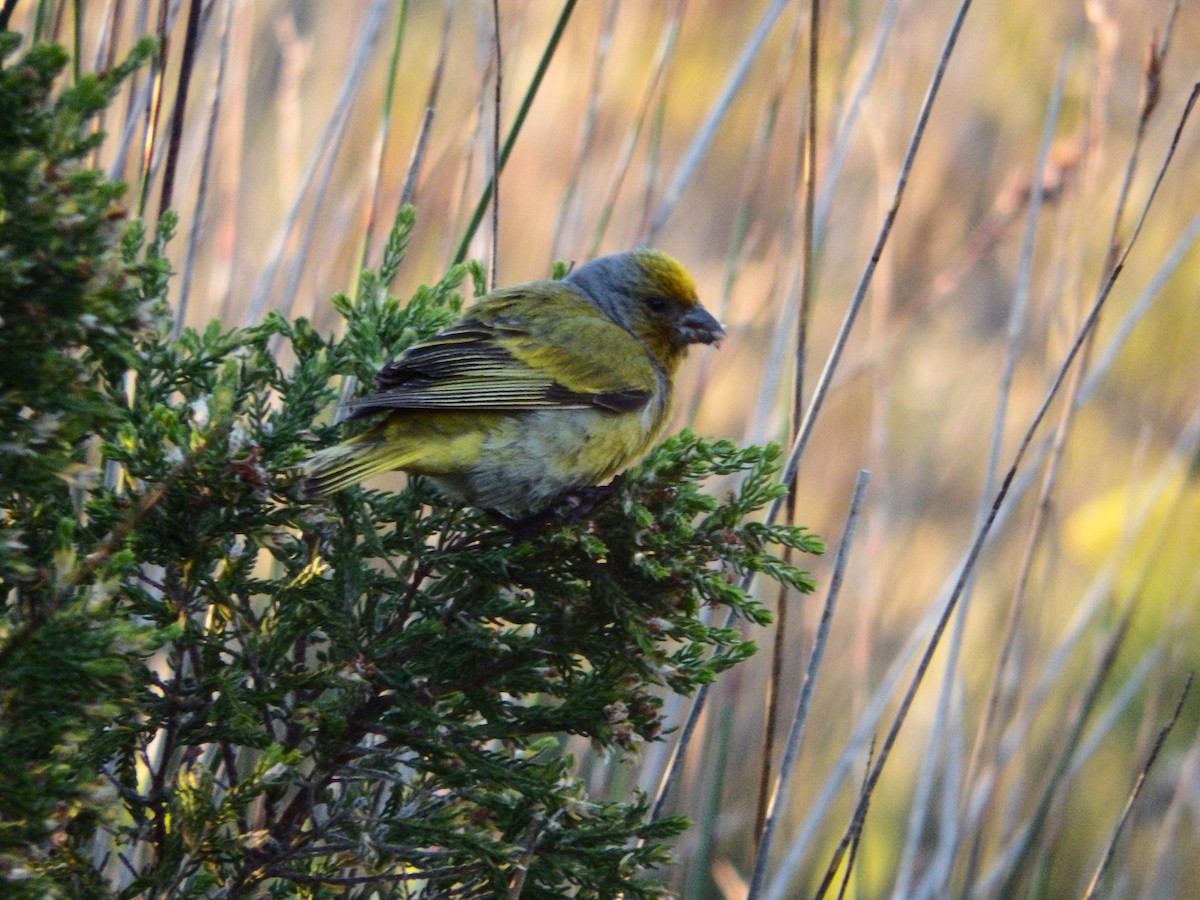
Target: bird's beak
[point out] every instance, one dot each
(697, 326)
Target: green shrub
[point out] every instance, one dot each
(211, 686)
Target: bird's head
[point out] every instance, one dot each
(652, 296)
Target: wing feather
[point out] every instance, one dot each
(510, 354)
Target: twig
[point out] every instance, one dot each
(186, 65)
(665, 55)
(801, 350)
(326, 151)
(408, 195)
(787, 766)
(522, 114)
(1070, 740)
(492, 283)
(708, 130)
(383, 136)
(1094, 885)
(857, 842)
(984, 530)
(148, 501)
(516, 884)
(881, 240)
(210, 134)
(154, 106)
(583, 157)
(1016, 328)
(379, 877)
(806, 426)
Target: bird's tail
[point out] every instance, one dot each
(353, 461)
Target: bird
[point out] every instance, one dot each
(538, 390)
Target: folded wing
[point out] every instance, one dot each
(539, 346)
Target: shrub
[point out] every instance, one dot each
(210, 685)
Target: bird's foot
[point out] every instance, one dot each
(570, 507)
(580, 503)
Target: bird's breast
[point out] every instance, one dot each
(529, 460)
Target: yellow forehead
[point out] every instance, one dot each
(668, 275)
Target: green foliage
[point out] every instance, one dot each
(211, 685)
(67, 307)
(70, 309)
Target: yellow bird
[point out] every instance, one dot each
(538, 390)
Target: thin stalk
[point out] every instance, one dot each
(6, 11)
(326, 152)
(787, 766)
(1095, 600)
(1104, 363)
(385, 132)
(1023, 846)
(408, 195)
(664, 57)
(712, 122)
(1151, 95)
(982, 533)
(757, 183)
(39, 20)
(1135, 792)
(857, 841)
(808, 248)
(881, 240)
(583, 157)
(77, 40)
(105, 59)
(187, 64)
(1166, 853)
(806, 425)
(522, 113)
(210, 135)
(154, 107)
(492, 283)
(867, 722)
(1016, 329)
(700, 880)
(1049, 482)
(651, 169)
(140, 91)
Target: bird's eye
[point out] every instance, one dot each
(656, 304)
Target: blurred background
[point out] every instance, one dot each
(681, 124)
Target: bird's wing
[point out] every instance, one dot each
(538, 346)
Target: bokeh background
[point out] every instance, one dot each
(681, 124)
